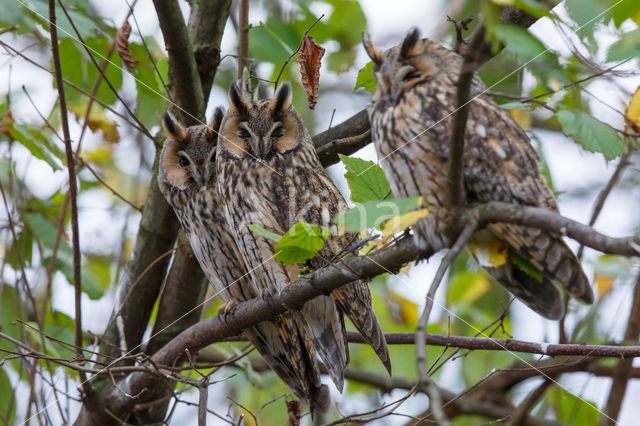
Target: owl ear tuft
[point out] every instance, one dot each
(237, 98)
(172, 129)
(409, 43)
(371, 51)
(281, 99)
(216, 120)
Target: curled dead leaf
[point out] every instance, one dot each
(122, 45)
(309, 57)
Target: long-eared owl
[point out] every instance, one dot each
(187, 178)
(411, 116)
(270, 175)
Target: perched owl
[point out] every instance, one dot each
(269, 174)
(411, 116)
(187, 178)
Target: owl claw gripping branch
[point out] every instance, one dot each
(257, 164)
(411, 118)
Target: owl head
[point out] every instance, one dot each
(401, 67)
(263, 130)
(187, 161)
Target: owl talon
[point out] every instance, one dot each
(226, 308)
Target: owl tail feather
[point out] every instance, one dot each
(541, 296)
(289, 353)
(354, 299)
(326, 329)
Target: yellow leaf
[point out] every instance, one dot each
(554, 84)
(632, 115)
(97, 119)
(371, 246)
(503, 2)
(480, 286)
(490, 253)
(403, 310)
(523, 118)
(405, 268)
(604, 283)
(402, 222)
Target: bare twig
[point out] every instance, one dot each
(77, 283)
(435, 402)
(243, 36)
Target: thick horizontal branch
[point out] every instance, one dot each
(550, 221)
(346, 138)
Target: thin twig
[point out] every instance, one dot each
(243, 42)
(435, 401)
(75, 239)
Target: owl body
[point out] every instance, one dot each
(412, 113)
(188, 180)
(270, 175)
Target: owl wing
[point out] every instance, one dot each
(500, 164)
(283, 346)
(267, 206)
(322, 203)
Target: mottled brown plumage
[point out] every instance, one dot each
(188, 180)
(411, 119)
(269, 174)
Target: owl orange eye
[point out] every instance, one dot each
(183, 162)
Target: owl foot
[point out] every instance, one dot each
(226, 308)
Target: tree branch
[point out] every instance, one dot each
(243, 36)
(183, 70)
(206, 25)
(77, 277)
(358, 267)
(467, 70)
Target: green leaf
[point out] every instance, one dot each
(8, 401)
(521, 42)
(264, 233)
(151, 96)
(530, 51)
(10, 306)
(525, 266)
(366, 78)
(301, 243)
(533, 8)
(374, 213)
(36, 142)
(517, 105)
(78, 68)
(592, 134)
(366, 180)
(570, 409)
(627, 47)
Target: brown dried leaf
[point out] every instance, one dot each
(309, 57)
(122, 45)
